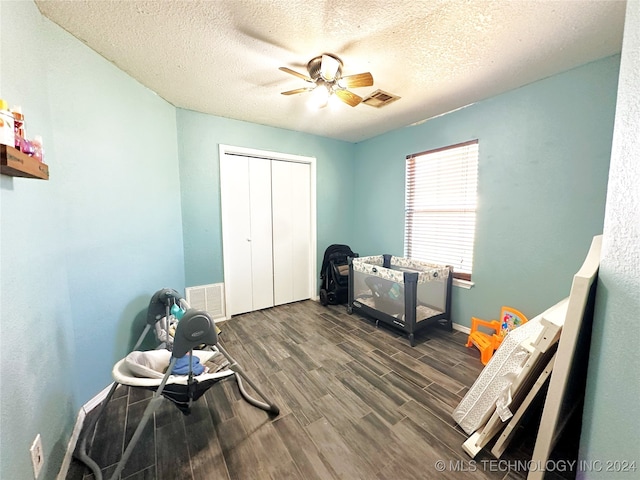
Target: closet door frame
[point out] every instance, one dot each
(269, 155)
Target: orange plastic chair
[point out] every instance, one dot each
(487, 343)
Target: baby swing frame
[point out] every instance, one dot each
(194, 329)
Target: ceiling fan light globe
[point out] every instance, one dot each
(319, 97)
(334, 102)
(329, 68)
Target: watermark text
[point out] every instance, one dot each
(497, 465)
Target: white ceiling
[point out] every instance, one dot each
(222, 57)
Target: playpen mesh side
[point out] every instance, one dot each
(383, 289)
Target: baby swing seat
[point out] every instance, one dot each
(155, 370)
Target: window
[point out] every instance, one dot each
(440, 206)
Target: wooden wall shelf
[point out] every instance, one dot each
(16, 164)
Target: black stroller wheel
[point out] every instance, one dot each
(332, 298)
(324, 299)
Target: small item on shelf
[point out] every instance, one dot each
(38, 151)
(18, 127)
(26, 147)
(7, 133)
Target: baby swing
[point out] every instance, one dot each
(161, 370)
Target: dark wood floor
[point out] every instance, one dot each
(356, 401)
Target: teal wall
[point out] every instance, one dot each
(542, 179)
(612, 411)
(81, 253)
(199, 136)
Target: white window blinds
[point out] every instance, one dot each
(440, 206)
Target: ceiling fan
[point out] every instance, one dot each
(325, 79)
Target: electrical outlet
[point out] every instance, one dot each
(37, 455)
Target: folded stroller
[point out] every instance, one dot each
(174, 371)
(334, 274)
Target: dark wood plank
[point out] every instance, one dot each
(137, 394)
(207, 459)
(297, 400)
(417, 371)
(265, 356)
(271, 452)
(432, 452)
(308, 460)
(172, 451)
(143, 455)
(402, 369)
(378, 402)
(439, 432)
(464, 376)
(289, 332)
(297, 352)
(219, 405)
(443, 395)
(410, 389)
(350, 401)
(383, 342)
(106, 447)
(146, 474)
(307, 384)
(357, 432)
(238, 452)
(320, 348)
(344, 461)
(378, 383)
(422, 461)
(356, 352)
(286, 471)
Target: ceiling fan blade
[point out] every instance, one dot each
(357, 80)
(348, 97)
(297, 90)
(296, 74)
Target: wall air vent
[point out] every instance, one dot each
(380, 99)
(209, 298)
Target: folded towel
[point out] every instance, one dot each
(181, 366)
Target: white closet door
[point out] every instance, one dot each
(245, 191)
(236, 233)
(291, 186)
(261, 233)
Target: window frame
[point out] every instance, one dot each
(411, 190)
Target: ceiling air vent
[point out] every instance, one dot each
(380, 99)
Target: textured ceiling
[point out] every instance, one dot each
(222, 57)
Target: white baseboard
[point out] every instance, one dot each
(71, 446)
(461, 328)
(77, 429)
(97, 400)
